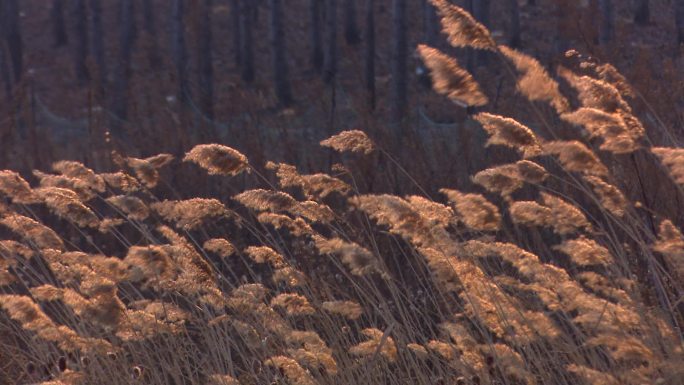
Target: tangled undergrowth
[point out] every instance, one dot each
(546, 273)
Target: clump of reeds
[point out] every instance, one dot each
(540, 271)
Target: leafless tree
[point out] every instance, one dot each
(80, 33)
(316, 57)
(514, 39)
(178, 49)
(399, 58)
(150, 27)
(279, 55)
(369, 57)
(431, 25)
(58, 27)
(642, 12)
(351, 28)
(330, 55)
(606, 29)
(247, 18)
(237, 36)
(98, 42)
(205, 59)
(122, 73)
(679, 19)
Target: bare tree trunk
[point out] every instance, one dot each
(399, 65)
(150, 27)
(126, 36)
(481, 12)
(205, 60)
(178, 49)
(642, 13)
(58, 28)
(279, 52)
(12, 36)
(514, 39)
(80, 20)
(470, 59)
(431, 24)
(247, 16)
(237, 36)
(369, 62)
(316, 57)
(5, 72)
(351, 28)
(606, 30)
(98, 43)
(679, 19)
(330, 58)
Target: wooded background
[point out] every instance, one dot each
(83, 77)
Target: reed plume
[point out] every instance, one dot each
(190, 214)
(610, 197)
(461, 28)
(32, 231)
(671, 245)
(535, 83)
(265, 200)
(121, 181)
(293, 304)
(348, 309)
(450, 80)
(510, 133)
(574, 156)
(474, 210)
(295, 374)
(147, 170)
(378, 343)
(586, 252)
(133, 207)
(16, 188)
(673, 159)
(315, 186)
(77, 170)
(218, 159)
(611, 128)
(350, 141)
(358, 259)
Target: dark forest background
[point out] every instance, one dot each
(81, 78)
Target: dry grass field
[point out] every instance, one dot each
(562, 264)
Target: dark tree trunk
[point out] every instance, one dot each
(606, 29)
(351, 28)
(178, 49)
(247, 17)
(679, 19)
(98, 42)
(126, 37)
(431, 24)
(80, 20)
(150, 27)
(237, 35)
(11, 31)
(481, 12)
(369, 62)
(315, 35)
(642, 13)
(514, 39)
(399, 68)
(279, 52)
(5, 73)
(205, 60)
(330, 59)
(58, 27)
